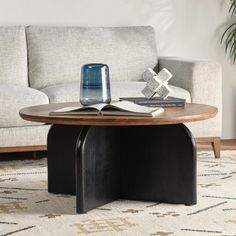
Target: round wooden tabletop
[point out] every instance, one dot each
(174, 115)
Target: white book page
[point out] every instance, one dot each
(67, 109)
(115, 108)
(97, 107)
(132, 107)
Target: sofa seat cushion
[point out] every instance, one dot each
(24, 136)
(12, 99)
(71, 92)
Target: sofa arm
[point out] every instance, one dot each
(201, 78)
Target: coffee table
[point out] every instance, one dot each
(103, 158)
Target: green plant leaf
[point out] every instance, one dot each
(232, 8)
(232, 52)
(229, 39)
(229, 35)
(226, 31)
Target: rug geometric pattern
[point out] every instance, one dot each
(27, 209)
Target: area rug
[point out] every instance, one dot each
(27, 209)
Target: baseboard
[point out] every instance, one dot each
(23, 149)
(202, 144)
(226, 144)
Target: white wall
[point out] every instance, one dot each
(186, 28)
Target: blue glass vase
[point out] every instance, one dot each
(95, 84)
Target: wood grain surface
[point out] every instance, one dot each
(191, 112)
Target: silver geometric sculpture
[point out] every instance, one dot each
(156, 83)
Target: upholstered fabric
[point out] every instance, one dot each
(56, 54)
(71, 92)
(203, 80)
(12, 99)
(13, 56)
(206, 128)
(24, 136)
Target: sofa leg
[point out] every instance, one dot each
(34, 154)
(216, 146)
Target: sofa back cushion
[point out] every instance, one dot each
(13, 56)
(56, 54)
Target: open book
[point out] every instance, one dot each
(121, 108)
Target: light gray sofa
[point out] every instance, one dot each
(41, 65)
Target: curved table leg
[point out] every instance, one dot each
(159, 164)
(61, 145)
(98, 167)
(149, 163)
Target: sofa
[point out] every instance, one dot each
(41, 65)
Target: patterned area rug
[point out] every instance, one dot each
(26, 208)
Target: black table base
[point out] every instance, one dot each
(100, 164)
